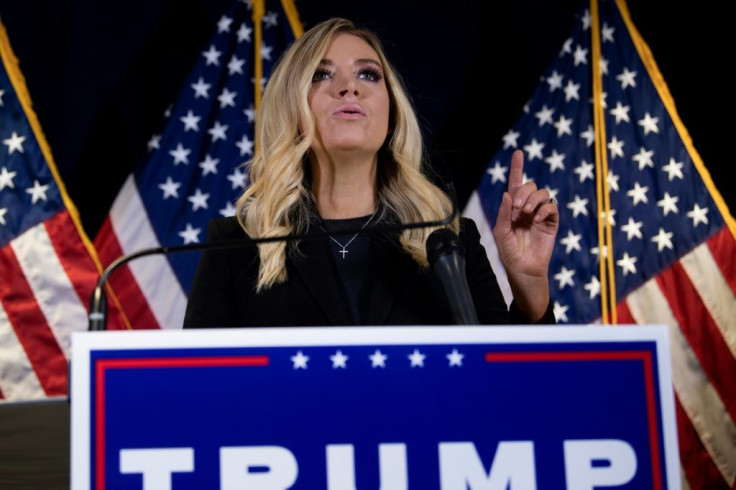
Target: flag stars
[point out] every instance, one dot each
(544, 115)
(455, 358)
(586, 20)
(201, 89)
(497, 172)
(416, 358)
(571, 91)
(154, 143)
(235, 65)
(554, 81)
(627, 264)
(638, 194)
(607, 33)
(698, 215)
(593, 287)
(565, 277)
(209, 165)
(244, 33)
(580, 56)
(563, 126)
(237, 178)
(2, 92)
(213, 56)
(180, 154)
(571, 241)
(603, 65)
(271, 19)
(14, 143)
(339, 360)
(620, 112)
(170, 188)
(227, 98)
(223, 25)
(566, 47)
(663, 239)
(610, 217)
(378, 359)
(584, 171)
(190, 234)
(560, 311)
(299, 360)
(510, 139)
(627, 78)
(245, 145)
(673, 169)
(668, 204)
(218, 131)
(191, 122)
(578, 206)
(266, 55)
(3, 211)
(6, 179)
(633, 229)
(644, 158)
(602, 100)
(588, 135)
(534, 150)
(612, 180)
(555, 161)
(198, 200)
(649, 124)
(37, 192)
(616, 148)
(250, 113)
(228, 210)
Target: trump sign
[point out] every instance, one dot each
(353, 408)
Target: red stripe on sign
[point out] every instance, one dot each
(30, 325)
(649, 387)
(103, 365)
(701, 333)
(125, 287)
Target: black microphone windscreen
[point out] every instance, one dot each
(442, 241)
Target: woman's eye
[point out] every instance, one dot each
(370, 74)
(320, 75)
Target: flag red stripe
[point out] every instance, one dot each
(700, 470)
(722, 246)
(132, 300)
(30, 326)
(701, 332)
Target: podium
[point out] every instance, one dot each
(450, 407)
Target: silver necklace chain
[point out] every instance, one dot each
(344, 248)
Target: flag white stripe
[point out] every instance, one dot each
(714, 292)
(18, 380)
(154, 274)
(53, 290)
(696, 394)
(474, 211)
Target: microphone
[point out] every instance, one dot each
(97, 319)
(447, 258)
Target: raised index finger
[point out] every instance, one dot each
(516, 174)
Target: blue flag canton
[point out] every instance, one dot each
(28, 192)
(660, 207)
(194, 169)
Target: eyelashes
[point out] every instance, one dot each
(369, 74)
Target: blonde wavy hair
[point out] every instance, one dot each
(278, 200)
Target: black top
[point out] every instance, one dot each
(395, 290)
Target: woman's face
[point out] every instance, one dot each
(349, 99)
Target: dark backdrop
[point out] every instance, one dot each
(101, 74)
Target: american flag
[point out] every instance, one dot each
(646, 193)
(48, 266)
(192, 172)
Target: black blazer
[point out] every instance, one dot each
(397, 290)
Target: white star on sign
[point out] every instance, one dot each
(455, 358)
(339, 360)
(378, 359)
(300, 360)
(416, 358)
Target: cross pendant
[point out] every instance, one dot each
(343, 252)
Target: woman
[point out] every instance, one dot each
(339, 148)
